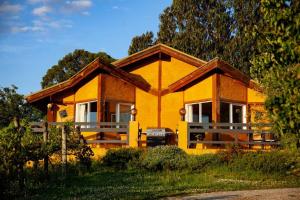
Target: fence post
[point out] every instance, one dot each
(45, 140)
(64, 149)
(133, 134)
(183, 132)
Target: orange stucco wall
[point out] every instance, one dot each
(170, 104)
(199, 91)
(231, 89)
(173, 70)
(146, 105)
(149, 72)
(88, 91)
(255, 96)
(70, 113)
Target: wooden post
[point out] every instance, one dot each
(64, 149)
(45, 139)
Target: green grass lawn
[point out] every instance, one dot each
(135, 184)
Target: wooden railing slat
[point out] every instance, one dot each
(106, 141)
(118, 130)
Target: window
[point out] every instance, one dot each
(86, 112)
(199, 112)
(123, 113)
(232, 113)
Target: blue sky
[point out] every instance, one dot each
(35, 34)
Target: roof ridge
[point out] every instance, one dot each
(160, 46)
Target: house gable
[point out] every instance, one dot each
(95, 67)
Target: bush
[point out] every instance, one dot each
(274, 161)
(201, 162)
(121, 158)
(164, 158)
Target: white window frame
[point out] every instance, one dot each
(189, 113)
(244, 113)
(77, 115)
(118, 105)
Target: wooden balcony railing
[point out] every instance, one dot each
(198, 133)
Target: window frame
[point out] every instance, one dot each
(77, 114)
(118, 105)
(188, 113)
(244, 112)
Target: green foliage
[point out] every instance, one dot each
(164, 158)
(121, 158)
(70, 64)
(266, 162)
(206, 29)
(202, 162)
(139, 43)
(13, 105)
(277, 68)
(200, 28)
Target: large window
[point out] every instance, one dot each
(232, 113)
(86, 112)
(199, 112)
(123, 112)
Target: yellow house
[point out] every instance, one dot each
(157, 82)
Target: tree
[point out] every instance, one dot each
(70, 65)
(206, 29)
(139, 43)
(277, 66)
(13, 105)
(246, 15)
(200, 28)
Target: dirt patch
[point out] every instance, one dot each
(269, 194)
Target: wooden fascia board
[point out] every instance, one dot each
(126, 77)
(213, 64)
(136, 57)
(96, 64)
(66, 84)
(155, 50)
(235, 73)
(193, 76)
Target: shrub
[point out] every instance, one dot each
(274, 161)
(164, 158)
(121, 158)
(201, 162)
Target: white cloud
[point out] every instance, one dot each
(21, 29)
(10, 8)
(41, 11)
(115, 7)
(77, 5)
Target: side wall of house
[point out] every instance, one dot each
(115, 89)
(202, 91)
(232, 90)
(173, 70)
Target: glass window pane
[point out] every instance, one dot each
(195, 110)
(224, 112)
(93, 112)
(125, 113)
(237, 114)
(206, 112)
(82, 112)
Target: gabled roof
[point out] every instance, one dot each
(78, 77)
(214, 64)
(159, 48)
